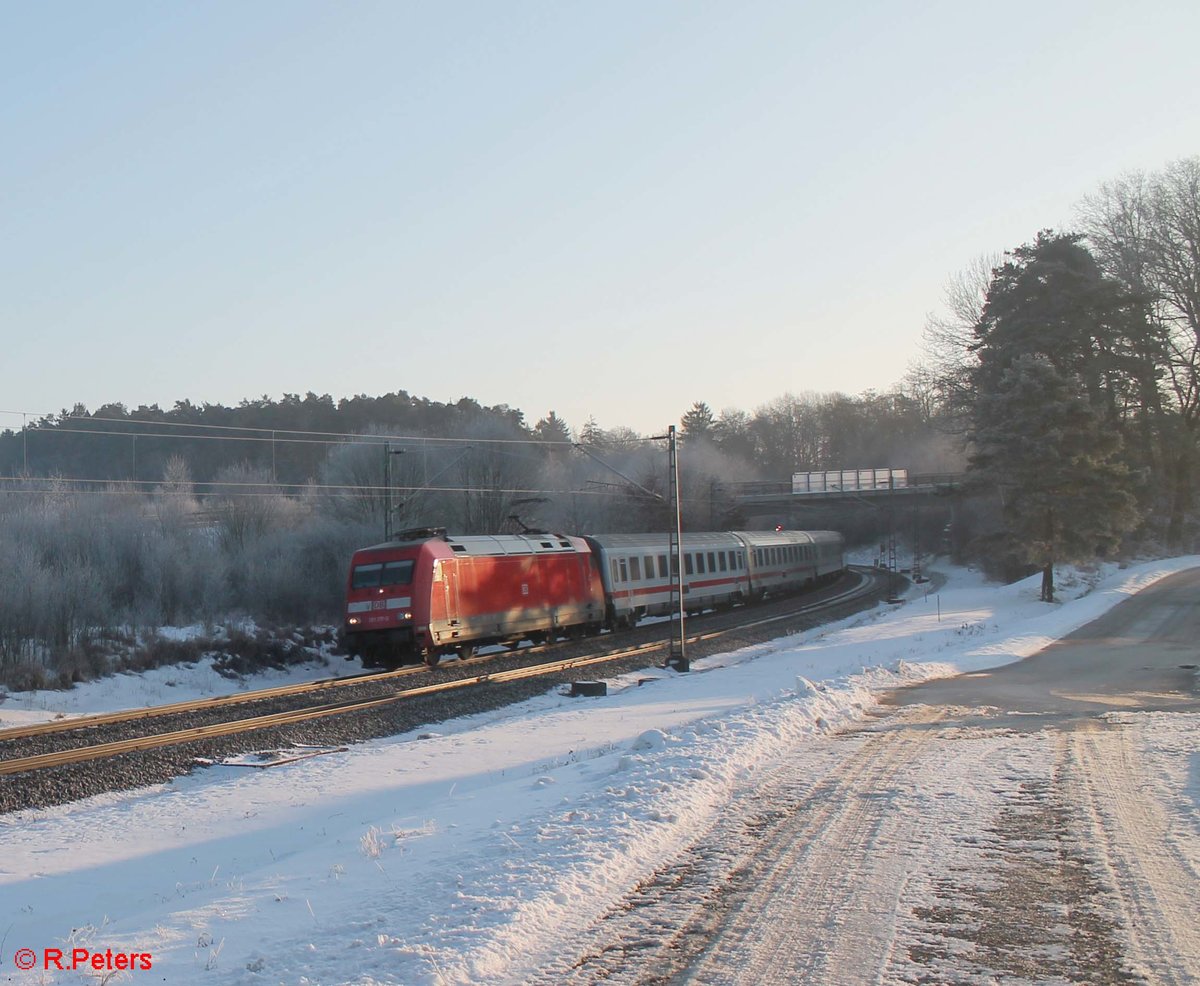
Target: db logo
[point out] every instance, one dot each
(26, 958)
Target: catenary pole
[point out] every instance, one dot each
(677, 657)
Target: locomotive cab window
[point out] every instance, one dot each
(366, 576)
(397, 573)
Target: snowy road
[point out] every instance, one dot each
(761, 819)
(1003, 826)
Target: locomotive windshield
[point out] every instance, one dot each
(381, 574)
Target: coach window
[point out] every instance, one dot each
(722, 561)
(687, 564)
(699, 562)
(615, 574)
(635, 569)
(624, 571)
(662, 566)
(650, 567)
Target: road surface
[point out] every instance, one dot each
(999, 827)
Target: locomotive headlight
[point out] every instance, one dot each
(353, 621)
(408, 616)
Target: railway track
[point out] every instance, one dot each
(83, 740)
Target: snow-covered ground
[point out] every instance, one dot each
(474, 850)
(158, 686)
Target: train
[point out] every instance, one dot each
(427, 594)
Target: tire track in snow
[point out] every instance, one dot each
(825, 884)
(810, 835)
(1132, 836)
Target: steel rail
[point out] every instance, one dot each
(218, 701)
(100, 751)
(234, 727)
(194, 705)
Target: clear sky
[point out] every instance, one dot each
(610, 208)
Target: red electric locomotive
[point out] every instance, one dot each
(427, 594)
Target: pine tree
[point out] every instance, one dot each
(1064, 367)
(552, 428)
(1051, 298)
(698, 422)
(592, 434)
(1039, 439)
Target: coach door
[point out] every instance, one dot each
(444, 615)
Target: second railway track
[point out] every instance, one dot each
(73, 752)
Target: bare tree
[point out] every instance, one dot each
(1145, 231)
(947, 345)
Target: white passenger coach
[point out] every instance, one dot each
(719, 568)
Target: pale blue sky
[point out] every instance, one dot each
(611, 208)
